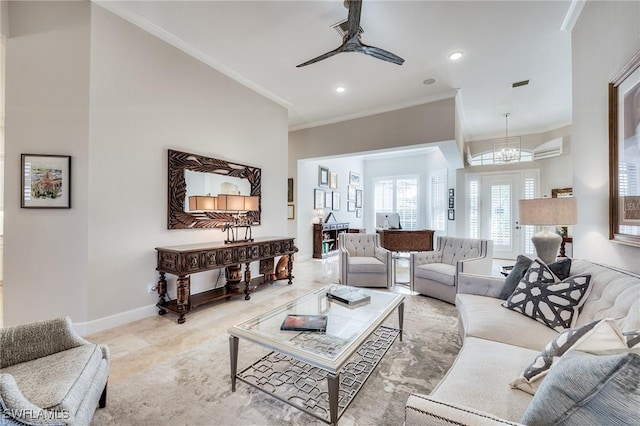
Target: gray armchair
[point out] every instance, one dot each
(363, 262)
(435, 273)
(50, 375)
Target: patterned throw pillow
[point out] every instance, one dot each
(597, 335)
(554, 304)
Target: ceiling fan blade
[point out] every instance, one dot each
(376, 52)
(321, 57)
(355, 9)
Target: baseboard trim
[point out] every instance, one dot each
(101, 324)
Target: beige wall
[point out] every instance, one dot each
(47, 112)
(604, 39)
(136, 97)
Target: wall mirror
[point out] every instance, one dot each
(624, 154)
(192, 174)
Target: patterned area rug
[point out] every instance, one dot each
(194, 388)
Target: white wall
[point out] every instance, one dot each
(307, 182)
(47, 112)
(137, 97)
(604, 39)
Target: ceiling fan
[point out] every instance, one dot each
(351, 41)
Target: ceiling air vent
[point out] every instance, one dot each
(343, 28)
(520, 83)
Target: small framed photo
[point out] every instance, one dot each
(354, 178)
(290, 190)
(335, 205)
(351, 206)
(45, 181)
(351, 193)
(328, 200)
(358, 212)
(333, 180)
(451, 202)
(359, 198)
(451, 192)
(291, 212)
(323, 176)
(452, 214)
(318, 199)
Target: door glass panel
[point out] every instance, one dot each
(501, 215)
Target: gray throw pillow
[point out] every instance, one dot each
(514, 277)
(588, 389)
(560, 269)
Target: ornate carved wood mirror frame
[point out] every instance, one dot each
(177, 217)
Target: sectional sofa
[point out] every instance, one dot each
(499, 343)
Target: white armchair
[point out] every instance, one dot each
(435, 273)
(363, 262)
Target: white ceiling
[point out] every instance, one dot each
(259, 43)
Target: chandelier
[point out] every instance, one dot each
(506, 150)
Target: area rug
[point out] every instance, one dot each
(194, 387)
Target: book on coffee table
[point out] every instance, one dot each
(348, 295)
(305, 323)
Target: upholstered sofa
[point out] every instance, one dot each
(363, 262)
(49, 375)
(498, 344)
(435, 273)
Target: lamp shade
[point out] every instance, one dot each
(202, 202)
(227, 202)
(549, 211)
(251, 203)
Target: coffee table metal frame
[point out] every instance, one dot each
(355, 329)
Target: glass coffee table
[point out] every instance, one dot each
(318, 372)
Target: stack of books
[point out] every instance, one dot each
(348, 296)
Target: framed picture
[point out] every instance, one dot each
(451, 202)
(335, 205)
(323, 176)
(45, 181)
(291, 212)
(452, 192)
(354, 178)
(624, 154)
(358, 212)
(452, 214)
(351, 193)
(333, 180)
(351, 206)
(328, 200)
(359, 198)
(290, 190)
(318, 199)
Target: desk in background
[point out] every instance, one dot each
(406, 239)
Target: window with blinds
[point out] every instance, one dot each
(438, 201)
(528, 230)
(398, 194)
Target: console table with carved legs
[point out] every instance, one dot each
(185, 260)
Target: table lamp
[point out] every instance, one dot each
(548, 212)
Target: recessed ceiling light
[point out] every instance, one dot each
(455, 56)
(340, 89)
(429, 81)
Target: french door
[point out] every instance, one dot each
(493, 210)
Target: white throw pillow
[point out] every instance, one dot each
(597, 335)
